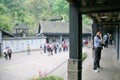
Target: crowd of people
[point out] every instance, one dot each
(53, 48)
(49, 48)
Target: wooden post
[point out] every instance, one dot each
(0, 42)
(75, 58)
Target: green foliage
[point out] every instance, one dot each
(1, 55)
(37, 7)
(51, 78)
(86, 20)
(84, 55)
(30, 12)
(5, 22)
(48, 78)
(61, 8)
(3, 9)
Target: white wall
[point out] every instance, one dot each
(20, 44)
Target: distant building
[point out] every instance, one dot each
(58, 31)
(21, 30)
(54, 18)
(86, 32)
(54, 31)
(4, 34)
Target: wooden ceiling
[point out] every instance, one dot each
(104, 12)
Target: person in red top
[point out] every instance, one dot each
(64, 45)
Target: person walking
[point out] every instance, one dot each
(9, 52)
(98, 48)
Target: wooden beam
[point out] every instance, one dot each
(101, 8)
(119, 16)
(109, 27)
(109, 23)
(74, 2)
(83, 2)
(98, 18)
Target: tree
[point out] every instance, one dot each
(5, 23)
(3, 9)
(5, 19)
(37, 7)
(30, 12)
(61, 8)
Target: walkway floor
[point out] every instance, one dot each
(110, 71)
(24, 67)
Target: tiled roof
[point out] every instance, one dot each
(7, 33)
(54, 27)
(22, 26)
(58, 27)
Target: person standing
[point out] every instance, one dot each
(105, 37)
(45, 47)
(5, 53)
(28, 49)
(55, 48)
(40, 48)
(9, 52)
(98, 48)
(110, 38)
(64, 45)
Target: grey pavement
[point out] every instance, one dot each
(110, 71)
(24, 67)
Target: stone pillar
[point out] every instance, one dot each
(75, 58)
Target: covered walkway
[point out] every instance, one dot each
(106, 17)
(110, 71)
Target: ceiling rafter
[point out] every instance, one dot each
(101, 8)
(91, 2)
(98, 18)
(104, 12)
(109, 22)
(83, 2)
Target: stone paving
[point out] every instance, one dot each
(24, 67)
(110, 71)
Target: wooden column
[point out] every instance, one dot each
(75, 58)
(119, 41)
(0, 42)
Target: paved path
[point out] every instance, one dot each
(110, 71)
(24, 67)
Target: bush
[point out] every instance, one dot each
(84, 55)
(1, 56)
(48, 78)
